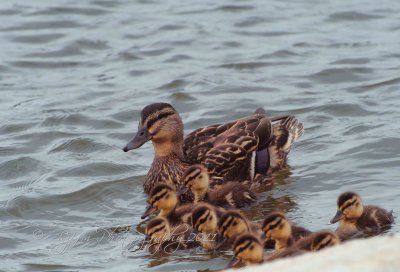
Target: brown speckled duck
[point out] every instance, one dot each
(229, 194)
(233, 151)
(355, 217)
(278, 228)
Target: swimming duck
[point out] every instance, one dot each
(228, 194)
(233, 151)
(163, 198)
(248, 248)
(162, 237)
(355, 217)
(278, 228)
(205, 221)
(233, 224)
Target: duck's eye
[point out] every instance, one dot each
(210, 218)
(141, 133)
(234, 223)
(201, 176)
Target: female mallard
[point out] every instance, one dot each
(233, 151)
(355, 217)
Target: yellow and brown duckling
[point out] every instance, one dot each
(229, 194)
(163, 198)
(233, 224)
(278, 228)
(205, 221)
(163, 237)
(233, 151)
(248, 248)
(355, 217)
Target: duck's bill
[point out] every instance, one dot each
(337, 217)
(141, 137)
(149, 210)
(233, 262)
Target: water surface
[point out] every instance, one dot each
(74, 76)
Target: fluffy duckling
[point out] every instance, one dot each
(205, 221)
(355, 217)
(228, 194)
(278, 228)
(248, 249)
(162, 237)
(163, 198)
(233, 224)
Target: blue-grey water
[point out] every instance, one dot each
(74, 76)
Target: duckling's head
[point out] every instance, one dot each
(197, 180)
(232, 224)
(162, 198)
(349, 206)
(324, 239)
(158, 230)
(276, 226)
(204, 219)
(247, 249)
(160, 123)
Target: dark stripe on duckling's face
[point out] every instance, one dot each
(158, 197)
(202, 219)
(243, 246)
(195, 173)
(226, 224)
(272, 225)
(348, 204)
(156, 230)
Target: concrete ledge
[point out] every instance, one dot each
(367, 255)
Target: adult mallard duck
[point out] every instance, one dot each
(233, 151)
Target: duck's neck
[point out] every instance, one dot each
(167, 148)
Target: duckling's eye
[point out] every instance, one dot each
(210, 218)
(251, 247)
(234, 223)
(201, 176)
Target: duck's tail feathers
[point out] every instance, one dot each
(285, 133)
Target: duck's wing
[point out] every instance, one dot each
(284, 134)
(200, 141)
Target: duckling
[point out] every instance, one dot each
(161, 237)
(233, 223)
(233, 151)
(355, 217)
(248, 248)
(228, 194)
(277, 227)
(317, 241)
(163, 198)
(205, 221)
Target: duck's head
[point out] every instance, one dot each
(158, 230)
(162, 198)
(349, 207)
(324, 239)
(204, 219)
(276, 226)
(247, 249)
(160, 123)
(197, 180)
(232, 224)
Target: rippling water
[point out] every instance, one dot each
(75, 74)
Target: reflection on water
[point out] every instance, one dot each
(75, 75)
